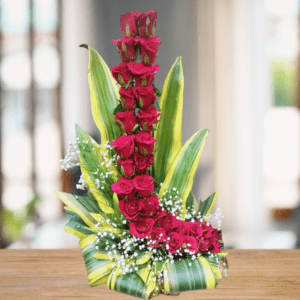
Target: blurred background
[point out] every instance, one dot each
(241, 66)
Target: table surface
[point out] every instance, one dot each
(61, 274)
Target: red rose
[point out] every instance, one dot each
(145, 142)
(150, 205)
(158, 236)
(127, 98)
(207, 230)
(148, 118)
(131, 209)
(121, 73)
(128, 23)
(146, 23)
(127, 167)
(159, 214)
(124, 145)
(183, 228)
(174, 242)
(215, 246)
(142, 162)
(203, 245)
(169, 222)
(143, 73)
(196, 229)
(145, 96)
(191, 245)
(148, 48)
(124, 187)
(126, 48)
(127, 121)
(142, 227)
(144, 184)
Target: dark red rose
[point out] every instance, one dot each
(148, 48)
(144, 184)
(183, 228)
(145, 96)
(131, 209)
(128, 23)
(142, 162)
(143, 73)
(148, 118)
(207, 230)
(127, 121)
(174, 242)
(124, 187)
(146, 23)
(121, 73)
(142, 227)
(145, 142)
(169, 222)
(203, 245)
(127, 167)
(124, 145)
(215, 246)
(191, 245)
(159, 214)
(158, 236)
(216, 234)
(126, 48)
(196, 229)
(127, 98)
(150, 205)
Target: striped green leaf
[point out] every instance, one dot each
(183, 168)
(104, 97)
(98, 270)
(91, 168)
(191, 202)
(206, 206)
(188, 275)
(168, 132)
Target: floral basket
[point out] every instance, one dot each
(141, 230)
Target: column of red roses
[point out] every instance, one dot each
(135, 188)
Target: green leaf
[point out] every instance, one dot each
(183, 168)
(104, 97)
(157, 92)
(168, 131)
(98, 270)
(191, 202)
(119, 108)
(206, 206)
(127, 85)
(188, 275)
(156, 106)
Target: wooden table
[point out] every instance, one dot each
(61, 274)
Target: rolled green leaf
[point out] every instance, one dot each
(104, 97)
(206, 206)
(183, 168)
(168, 132)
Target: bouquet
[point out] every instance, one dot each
(141, 230)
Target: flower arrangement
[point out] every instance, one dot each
(140, 227)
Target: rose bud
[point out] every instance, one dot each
(131, 209)
(126, 48)
(142, 162)
(183, 228)
(127, 167)
(124, 187)
(144, 184)
(148, 118)
(128, 23)
(196, 229)
(145, 96)
(121, 73)
(143, 73)
(127, 98)
(148, 48)
(127, 121)
(150, 205)
(190, 244)
(146, 23)
(159, 215)
(169, 222)
(142, 227)
(145, 142)
(158, 236)
(174, 242)
(124, 145)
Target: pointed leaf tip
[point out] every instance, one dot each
(84, 46)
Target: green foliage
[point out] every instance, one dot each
(206, 206)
